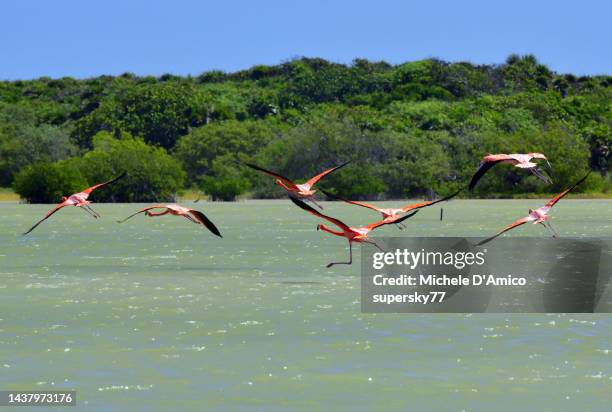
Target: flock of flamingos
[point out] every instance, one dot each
(300, 193)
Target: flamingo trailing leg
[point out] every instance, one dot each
(352, 234)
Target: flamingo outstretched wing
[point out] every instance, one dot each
(511, 226)
(352, 202)
(380, 223)
(200, 217)
(433, 202)
(484, 167)
(310, 183)
(311, 210)
(85, 193)
(286, 181)
(48, 215)
(142, 211)
(560, 196)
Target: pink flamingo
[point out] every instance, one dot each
(522, 161)
(302, 191)
(78, 200)
(391, 214)
(192, 215)
(539, 215)
(352, 234)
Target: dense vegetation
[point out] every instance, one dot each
(409, 129)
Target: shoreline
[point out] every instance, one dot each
(247, 200)
(7, 195)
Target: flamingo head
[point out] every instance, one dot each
(64, 198)
(319, 227)
(147, 213)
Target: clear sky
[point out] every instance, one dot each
(83, 38)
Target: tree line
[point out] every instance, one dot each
(409, 129)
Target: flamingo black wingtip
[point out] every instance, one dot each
(344, 164)
(301, 204)
(409, 215)
(252, 166)
(120, 176)
(484, 241)
(452, 195)
(213, 229)
(297, 201)
(412, 214)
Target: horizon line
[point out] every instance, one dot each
(292, 59)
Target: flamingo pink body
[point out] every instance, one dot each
(517, 159)
(520, 160)
(537, 216)
(172, 209)
(390, 215)
(301, 191)
(352, 234)
(193, 215)
(78, 200)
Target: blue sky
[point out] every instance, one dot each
(86, 38)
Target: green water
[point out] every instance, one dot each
(158, 314)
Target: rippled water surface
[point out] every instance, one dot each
(158, 314)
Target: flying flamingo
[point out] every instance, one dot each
(390, 214)
(78, 200)
(522, 161)
(302, 191)
(352, 234)
(192, 215)
(539, 215)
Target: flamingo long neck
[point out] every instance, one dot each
(281, 184)
(333, 232)
(160, 213)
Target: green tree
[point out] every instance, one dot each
(47, 182)
(23, 141)
(225, 181)
(325, 140)
(408, 128)
(213, 154)
(152, 174)
(160, 113)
